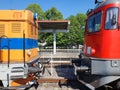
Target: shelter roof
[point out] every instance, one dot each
(53, 25)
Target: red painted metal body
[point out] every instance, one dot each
(104, 44)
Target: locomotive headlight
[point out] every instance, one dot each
(38, 49)
(93, 51)
(28, 52)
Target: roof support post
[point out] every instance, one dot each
(54, 42)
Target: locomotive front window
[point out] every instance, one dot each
(94, 22)
(111, 18)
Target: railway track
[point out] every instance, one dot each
(58, 76)
(55, 80)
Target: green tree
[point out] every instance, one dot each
(76, 35)
(53, 14)
(81, 20)
(73, 38)
(36, 8)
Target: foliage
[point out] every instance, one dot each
(64, 40)
(53, 14)
(76, 35)
(37, 9)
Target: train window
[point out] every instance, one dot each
(111, 18)
(94, 22)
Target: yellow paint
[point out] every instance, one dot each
(13, 24)
(16, 15)
(15, 29)
(16, 22)
(17, 55)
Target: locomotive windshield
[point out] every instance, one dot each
(111, 18)
(94, 22)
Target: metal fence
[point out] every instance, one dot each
(62, 50)
(60, 53)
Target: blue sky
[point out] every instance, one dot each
(66, 7)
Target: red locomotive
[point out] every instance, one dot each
(102, 31)
(100, 59)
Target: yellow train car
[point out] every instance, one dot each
(19, 58)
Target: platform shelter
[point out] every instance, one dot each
(53, 26)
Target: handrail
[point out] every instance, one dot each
(4, 36)
(24, 49)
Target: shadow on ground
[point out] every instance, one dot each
(67, 72)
